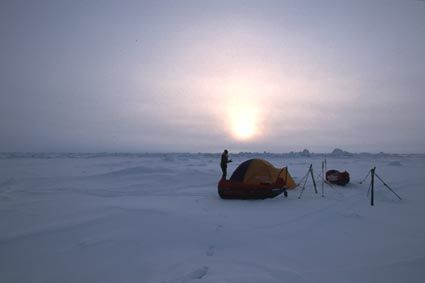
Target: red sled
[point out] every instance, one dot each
(338, 178)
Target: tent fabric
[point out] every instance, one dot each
(239, 174)
(258, 171)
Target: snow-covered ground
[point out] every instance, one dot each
(158, 218)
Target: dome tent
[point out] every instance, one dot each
(256, 179)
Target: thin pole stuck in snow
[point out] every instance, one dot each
(372, 174)
(371, 189)
(309, 173)
(323, 178)
(377, 176)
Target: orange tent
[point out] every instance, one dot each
(256, 178)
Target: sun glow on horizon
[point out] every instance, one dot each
(244, 101)
(243, 124)
(243, 108)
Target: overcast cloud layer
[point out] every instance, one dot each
(171, 75)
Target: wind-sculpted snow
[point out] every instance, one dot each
(158, 218)
(139, 170)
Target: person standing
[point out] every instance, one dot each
(223, 163)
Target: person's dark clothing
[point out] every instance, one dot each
(224, 160)
(224, 172)
(223, 164)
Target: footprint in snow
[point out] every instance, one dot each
(194, 275)
(210, 250)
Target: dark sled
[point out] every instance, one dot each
(337, 178)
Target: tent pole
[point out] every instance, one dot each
(371, 189)
(309, 172)
(387, 186)
(302, 190)
(286, 175)
(312, 177)
(368, 190)
(302, 179)
(372, 182)
(323, 178)
(368, 173)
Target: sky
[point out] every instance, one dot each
(201, 76)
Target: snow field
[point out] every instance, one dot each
(158, 218)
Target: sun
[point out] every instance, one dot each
(244, 107)
(243, 123)
(243, 130)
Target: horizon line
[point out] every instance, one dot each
(341, 152)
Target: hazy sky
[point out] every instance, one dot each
(278, 76)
